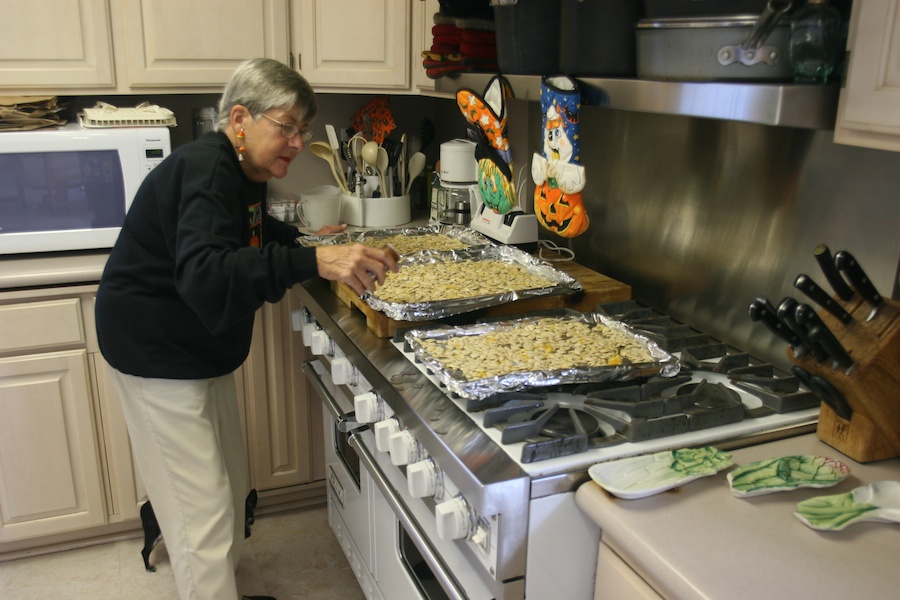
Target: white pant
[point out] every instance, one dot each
(187, 442)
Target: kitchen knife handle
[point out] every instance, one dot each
(805, 284)
(823, 388)
(858, 278)
(786, 313)
(759, 312)
(820, 335)
(834, 277)
(808, 317)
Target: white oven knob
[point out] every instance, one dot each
(383, 432)
(307, 332)
(321, 343)
(422, 478)
(367, 407)
(404, 448)
(298, 318)
(453, 519)
(342, 371)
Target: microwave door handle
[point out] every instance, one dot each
(404, 515)
(345, 421)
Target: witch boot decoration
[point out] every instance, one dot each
(487, 119)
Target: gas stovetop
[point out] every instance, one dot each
(721, 395)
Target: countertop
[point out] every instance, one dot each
(700, 542)
(59, 268)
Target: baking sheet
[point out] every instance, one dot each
(467, 236)
(559, 283)
(662, 363)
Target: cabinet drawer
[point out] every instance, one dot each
(38, 325)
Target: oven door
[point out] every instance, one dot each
(349, 487)
(411, 560)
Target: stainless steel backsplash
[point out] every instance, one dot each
(701, 216)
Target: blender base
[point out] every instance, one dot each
(515, 227)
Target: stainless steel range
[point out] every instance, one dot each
(436, 496)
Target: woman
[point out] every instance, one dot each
(197, 256)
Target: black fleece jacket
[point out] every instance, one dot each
(197, 256)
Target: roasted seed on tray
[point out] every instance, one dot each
(539, 345)
(410, 244)
(433, 282)
(407, 244)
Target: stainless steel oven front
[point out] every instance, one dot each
(389, 536)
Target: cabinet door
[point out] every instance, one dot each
(64, 45)
(352, 43)
(126, 491)
(50, 477)
(869, 106)
(283, 447)
(172, 43)
(616, 580)
(423, 21)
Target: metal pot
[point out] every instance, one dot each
(740, 47)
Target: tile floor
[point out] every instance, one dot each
(291, 556)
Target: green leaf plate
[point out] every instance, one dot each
(786, 473)
(879, 501)
(641, 476)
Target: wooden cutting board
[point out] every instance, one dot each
(598, 288)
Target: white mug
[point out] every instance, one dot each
(320, 206)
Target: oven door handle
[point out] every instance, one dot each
(404, 515)
(345, 421)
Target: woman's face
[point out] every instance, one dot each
(269, 153)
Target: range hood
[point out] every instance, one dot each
(785, 105)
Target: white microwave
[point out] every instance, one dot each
(69, 188)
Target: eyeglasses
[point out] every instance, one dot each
(289, 130)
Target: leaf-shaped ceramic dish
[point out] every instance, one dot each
(641, 476)
(879, 501)
(786, 473)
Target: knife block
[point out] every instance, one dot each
(872, 388)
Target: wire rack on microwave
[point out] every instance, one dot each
(142, 115)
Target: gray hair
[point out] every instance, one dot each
(264, 83)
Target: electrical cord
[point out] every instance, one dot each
(568, 254)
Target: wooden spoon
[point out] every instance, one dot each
(323, 151)
(416, 164)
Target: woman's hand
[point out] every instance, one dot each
(356, 265)
(331, 229)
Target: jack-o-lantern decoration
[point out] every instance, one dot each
(561, 213)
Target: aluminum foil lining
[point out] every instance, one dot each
(469, 237)
(663, 364)
(561, 284)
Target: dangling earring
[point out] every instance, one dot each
(241, 149)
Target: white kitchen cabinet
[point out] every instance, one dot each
(352, 44)
(66, 45)
(67, 471)
(615, 580)
(283, 419)
(423, 21)
(175, 46)
(50, 464)
(171, 44)
(869, 104)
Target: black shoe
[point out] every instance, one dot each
(257, 598)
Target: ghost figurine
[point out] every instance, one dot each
(557, 173)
